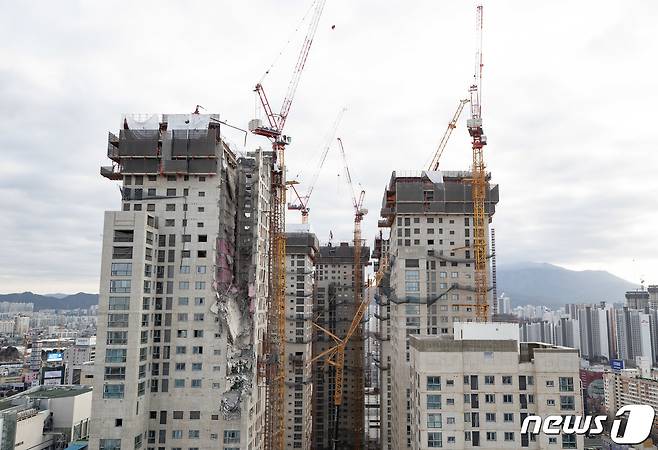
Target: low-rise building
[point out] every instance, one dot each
(474, 389)
(45, 418)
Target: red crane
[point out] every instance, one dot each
(272, 366)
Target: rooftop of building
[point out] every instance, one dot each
(448, 344)
(53, 392)
(343, 253)
(432, 192)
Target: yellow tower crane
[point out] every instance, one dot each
(272, 364)
(479, 181)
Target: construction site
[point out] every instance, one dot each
(245, 330)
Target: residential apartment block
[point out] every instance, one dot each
(474, 389)
(430, 284)
(182, 305)
(632, 387)
(301, 254)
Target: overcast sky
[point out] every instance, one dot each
(568, 106)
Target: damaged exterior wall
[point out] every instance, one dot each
(301, 253)
(181, 311)
(334, 310)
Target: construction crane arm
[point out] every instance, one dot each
(434, 165)
(346, 169)
(301, 61)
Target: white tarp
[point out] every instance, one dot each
(137, 121)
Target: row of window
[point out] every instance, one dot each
(138, 180)
(406, 221)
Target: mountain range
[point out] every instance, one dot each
(545, 284)
(80, 300)
(525, 283)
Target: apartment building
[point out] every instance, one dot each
(475, 388)
(334, 310)
(632, 387)
(301, 253)
(182, 293)
(431, 277)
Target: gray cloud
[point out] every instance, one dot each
(568, 104)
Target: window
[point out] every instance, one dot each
(508, 417)
(231, 436)
(566, 384)
(197, 350)
(509, 436)
(507, 379)
(489, 379)
(568, 441)
(199, 301)
(121, 269)
(110, 444)
(120, 286)
(434, 420)
(183, 301)
(433, 401)
(117, 337)
(113, 391)
(550, 383)
(491, 435)
(170, 207)
(184, 269)
(433, 383)
(200, 269)
(434, 439)
(489, 398)
(177, 434)
(171, 192)
(196, 383)
(179, 383)
(117, 320)
(507, 398)
(118, 303)
(200, 285)
(567, 402)
(183, 285)
(490, 417)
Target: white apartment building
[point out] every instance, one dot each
(632, 387)
(474, 389)
(182, 292)
(301, 252)
(431, 282)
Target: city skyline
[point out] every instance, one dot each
(565, 137)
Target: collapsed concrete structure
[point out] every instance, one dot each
(182, 309)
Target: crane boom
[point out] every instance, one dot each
(301, 61)
(303, 200)
(434, 165)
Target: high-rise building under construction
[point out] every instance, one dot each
(184, 277)
(430, 283)
(334, 310)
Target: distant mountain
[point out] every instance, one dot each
(553, 286)
(57, 295)
(74, 301)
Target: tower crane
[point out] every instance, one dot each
(434, 165)
(479, 179)
(302, 200)
(273, 359)
(335, 356)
